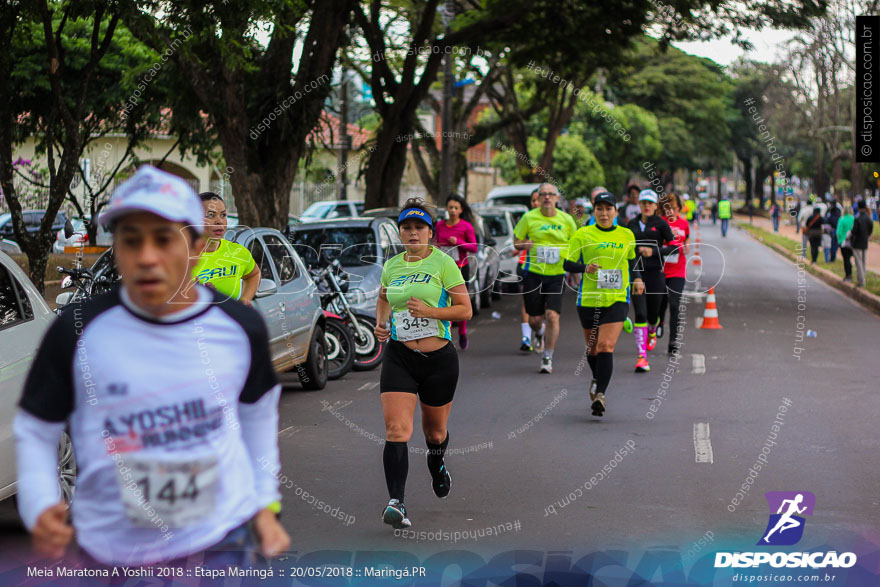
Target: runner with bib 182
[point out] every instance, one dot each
(606, 254)
(422, 292)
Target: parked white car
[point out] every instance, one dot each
(333, 209)
(103, 238)
(499, 222)
(24, 318)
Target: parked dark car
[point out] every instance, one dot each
(32, 220)
(362, 246)
(482, 283)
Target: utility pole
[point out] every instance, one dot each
(344, 141)
(446, 140)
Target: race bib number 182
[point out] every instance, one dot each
(609, 279)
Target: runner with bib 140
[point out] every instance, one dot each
(544, 232)
(606, 253)
(422, 291)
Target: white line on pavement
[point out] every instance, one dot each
(289, 431)
(699, 363)
(702, 443)
(364, 386)
(338, 405)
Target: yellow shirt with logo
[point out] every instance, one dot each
(550, 235)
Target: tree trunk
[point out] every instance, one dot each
(821, 177)
(858, 180)
(386, 165)
(747, 173)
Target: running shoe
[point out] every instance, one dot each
(628, 325)
(660, 330)
(395, 515)
(463, 343)
(537, 342)
(642, 365)
(526, 345)
(593, 386)
(441, 481)
(652, 342)
(598, 405)
(546, 365)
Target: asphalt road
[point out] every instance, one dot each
(527, 440)
(528, 456)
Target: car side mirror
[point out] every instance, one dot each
(68, 229)
(266, 288)
(491, 242)
(63, 298)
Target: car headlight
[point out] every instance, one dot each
(356, 296)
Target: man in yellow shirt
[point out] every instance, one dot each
(544, 232)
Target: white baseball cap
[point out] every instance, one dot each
(648, 195)
(153, 190)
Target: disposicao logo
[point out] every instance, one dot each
(785, 528)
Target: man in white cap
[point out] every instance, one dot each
(171, 402)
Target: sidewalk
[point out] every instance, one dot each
(788, 231)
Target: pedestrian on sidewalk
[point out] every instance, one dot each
(844, 226)
(832, 217)
(797, 217)
(724, 214)
(862, 228)
(813, 232)
(774, 214)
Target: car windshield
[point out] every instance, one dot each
(496, 224)
(317, 210)
(356, 243)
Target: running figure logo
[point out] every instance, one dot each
(786, 525)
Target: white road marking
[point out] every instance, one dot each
(702, 443)
(699, 362)
(336, 406)
(364, 386)
(368, 385)
(289, 431)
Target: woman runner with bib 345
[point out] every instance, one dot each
(422, 291)
(606, 253)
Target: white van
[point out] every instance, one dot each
(512, 194)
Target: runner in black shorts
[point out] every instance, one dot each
(605, 253)
(422, 291)
(526, 344)
(544, 232)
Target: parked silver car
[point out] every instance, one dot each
(24, 318)
(332, 209)
(287, 298)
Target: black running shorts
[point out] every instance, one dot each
(432, 376)
(592, 317)
(542, 293)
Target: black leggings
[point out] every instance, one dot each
(647, 305)
(815, 245)
(674, 287)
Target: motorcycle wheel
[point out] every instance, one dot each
(370, 354)
(340, 349)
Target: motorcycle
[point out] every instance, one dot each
(87, 282)
(368, 350)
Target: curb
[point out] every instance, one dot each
(868, 300)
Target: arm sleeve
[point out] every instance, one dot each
(383, 279)
(261, 377)
(259, 430)
(48, 389)
(633, 272)
(470, 244)
(521, 230)
(450, 274)
(249, 263)
(36, 453)
(440, 238)
(574, 266)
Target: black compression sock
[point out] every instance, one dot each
(604, 367)
(591, 359)
(396, 461)
(436, 453)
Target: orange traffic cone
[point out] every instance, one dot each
(696, 258)
(710, 315)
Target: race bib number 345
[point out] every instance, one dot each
(408, 327)
(181, 493)
(609, 279)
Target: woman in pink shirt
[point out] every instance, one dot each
(456, 235)
(675, 268)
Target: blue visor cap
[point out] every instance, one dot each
(414, 214)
